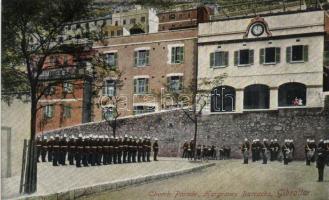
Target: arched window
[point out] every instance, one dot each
(223, 99)
(256, 97)
(292, 94)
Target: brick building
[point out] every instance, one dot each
(149, 62)
(66, 82)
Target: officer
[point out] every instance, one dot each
(125, 149)
(185, 147)
(44, 148)
(56, 151)
(50, 152)
(71, 150)
(79, 152)
(285, 152)
(130, 148)
(140, 147)
(148, 149)
(264, 150)
(39, 146)
(309, 151)
(245, 151)
(155, 149)
(134, 151)
(276, 149)
(116, 150)
(321, 160)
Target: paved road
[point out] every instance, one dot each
(56, 179)
(232, 180)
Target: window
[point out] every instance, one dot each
(177, 55)
(116, 23)
(269, 55)
(112, 33)
(143, 109)
(244, 57)
(142, 19)
(109, 88)
(50, 90)
(141, 86)
(119, 32)
(67, 87)
(175, 83)
(292, 94)
(67, 111)
(48, 111)
(124, 22)
(219, 59)
(172, 16)
(298, 53)
(133, 21)
(141, 58)
(256, 97)
(223, 99)
(112, 59)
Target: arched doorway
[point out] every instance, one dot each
(256, 97)
(292, 94)
(223, 99)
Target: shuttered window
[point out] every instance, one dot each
(175, 83)
(177, 55)
(270, 55)
(244, 57)
(297, 53)
(48, 111)
(112, 59)
(143, 109)
(109, 88)
(219, 59)
(141, 86)
(141, 58)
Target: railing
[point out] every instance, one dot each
(65, 73)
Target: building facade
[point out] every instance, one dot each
(149, 62)
(271, 62)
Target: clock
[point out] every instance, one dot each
(257, 29)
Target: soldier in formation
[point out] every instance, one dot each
(310, 149)
(245, 150)
(93, 150)
(322, 156)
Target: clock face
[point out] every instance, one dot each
(257, 29)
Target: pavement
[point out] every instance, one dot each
(69, 182)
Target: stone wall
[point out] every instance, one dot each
(173, 127)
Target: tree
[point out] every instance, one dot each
(193, 98)
(30, 30)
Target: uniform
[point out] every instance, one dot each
(50, 153)
(71, 150)
(106, 150)
(44, 149)
(125, 149)
(245, 151)
(321, 160)
(285, 153)
(139, 150)
(192, 149)
(39, 146)
(264, 150)
(86, 151)
(115, 150)
(130, 149)
(310, 149)
(56, 151)
(120, 150)
(155, 149)
(198, 151)
(134, 149)
(79, 151)
(148, 149)
(63, 150)
(185, 147)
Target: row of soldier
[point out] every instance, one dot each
(205, 152)
(95, 150)
(268, 150)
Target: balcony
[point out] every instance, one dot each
(65, 73)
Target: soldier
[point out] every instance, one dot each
(264, 150)
(185, 147)
(148, 149)
(292, 149)
(285, 152)
(120, 149)
(327, 150)
(93, 150)
(192, 148)
(213, 152)
(253, 150)
(130, 148)
(63, 149)
(106, 150)
(86, 151)
(125, 149)
(245, 150)
(155, 149)
(221, 153)
(144, 149)
(134, 151)
(111, 150)
(189, 151)
(50, 152)
(44, 149)
(71, 150)
(116, 150)
(198, 152)
(39, 146)
(56, 150)
(79, 152)
(227, 151)
(309, 151)
(321, 160)
(99, 154)
(140, 149)
(276, 149)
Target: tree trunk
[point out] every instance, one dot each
(31, 164)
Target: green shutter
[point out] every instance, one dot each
(236, 58)
(305, 51)
(182, 55)
(135, 86)
(52, 108)
(135, 58)
(288, 54)
(173, 53)
(261, 56)
(212, 60)
(115, 59)
(146, 85)
(277, 55)
(226, 58)
(251, 57)
(147, 57)
(180, 82)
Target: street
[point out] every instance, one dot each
(230, 179)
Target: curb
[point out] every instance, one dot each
(111, 186)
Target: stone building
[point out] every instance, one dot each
(272, 61)
(149, 62)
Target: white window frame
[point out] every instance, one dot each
(182, 56)
(219, 66)
(109, 88)
(68, 87)
(48, 111)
